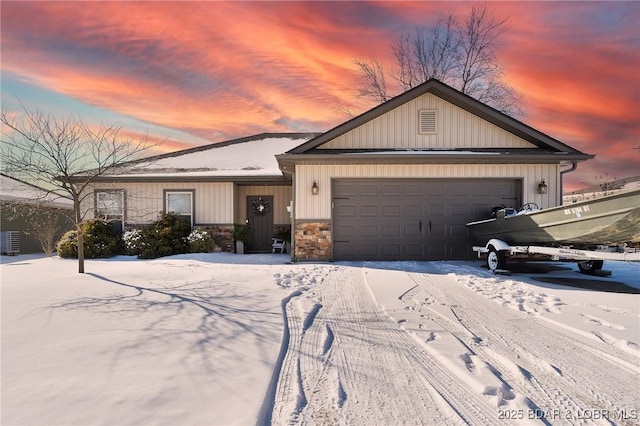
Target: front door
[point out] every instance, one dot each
(260, 217)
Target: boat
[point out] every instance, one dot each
(606, 221)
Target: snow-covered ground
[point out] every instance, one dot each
(222, 339)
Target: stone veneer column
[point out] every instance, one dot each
(313, 241)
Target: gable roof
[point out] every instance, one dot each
(455, 97)
(245, 159)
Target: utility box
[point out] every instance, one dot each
(10, 242)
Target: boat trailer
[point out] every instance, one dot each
(589, 261)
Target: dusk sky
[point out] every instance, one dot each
(193, 73)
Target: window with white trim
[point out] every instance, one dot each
(428, 121)
(110, 207)
(180, 203)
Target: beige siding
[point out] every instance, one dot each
(144, 201)
(456, 128)
(314, 207)
(281, 199)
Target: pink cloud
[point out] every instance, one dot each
(218, 70)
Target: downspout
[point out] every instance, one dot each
(574, 166)
(293, 215)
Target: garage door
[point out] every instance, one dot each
(413, 219)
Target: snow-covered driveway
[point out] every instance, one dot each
(219, 339)
(383, 346)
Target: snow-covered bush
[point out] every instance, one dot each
(67, 246)
(100, 240)
(164, 237)
(133, 242)
(200, 241)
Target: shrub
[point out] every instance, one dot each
(68, 245)
(100, 240)
(133, 242)
(200, 242)
(166, 236)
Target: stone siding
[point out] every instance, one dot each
(313, 241)
(222, 236)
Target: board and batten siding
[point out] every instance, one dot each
(144, 201)
(281, 199)
(314, 207)
(399, 129)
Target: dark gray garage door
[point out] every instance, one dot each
(413, 219)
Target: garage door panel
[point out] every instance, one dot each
(392, 189)
(370, 190)
(369, 210)
(382, 222)
(435, 189)
(412, 229)
(412, 189)
(345, 231)
(457, 209)
(435, 210)
(413, 211)
(437, 230)
(504, 190)
(414, 250)
(370, 252)
(457, 230)
(346, 190)
(346, 210)
(369, 231)
(392, 231)
(394, 210)
(392, 250)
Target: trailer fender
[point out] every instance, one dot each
(498, 245)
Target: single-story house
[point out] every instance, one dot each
(30, 215)
(398, 182)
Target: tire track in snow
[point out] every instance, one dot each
(265, 414)
(351, 355)
(557, 373)
(508, 371)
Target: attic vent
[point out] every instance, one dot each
(427, 119)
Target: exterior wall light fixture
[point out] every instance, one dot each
(314, 188)
(542, 187)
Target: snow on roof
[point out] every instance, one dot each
(14, 190)
(253, 156)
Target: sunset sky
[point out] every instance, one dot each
(192, 73)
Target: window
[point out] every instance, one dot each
(110, 207)
(427, 121)
(180, 203)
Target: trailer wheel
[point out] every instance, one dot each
(590, 266)
(496, 259)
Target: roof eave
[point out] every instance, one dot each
(258, 180)
(288, 161)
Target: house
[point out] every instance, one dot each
(398, 182)
(30, 215)
(214, 187)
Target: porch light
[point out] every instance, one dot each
(314, 188)
(542, 187)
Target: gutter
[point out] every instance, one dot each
(574, 166)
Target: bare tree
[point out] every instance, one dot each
(460, 54)
(374, 85)
(64, 156)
